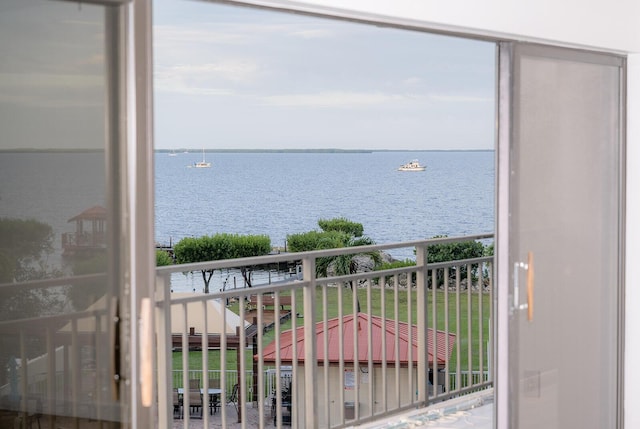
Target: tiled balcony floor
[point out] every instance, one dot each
(472, 411)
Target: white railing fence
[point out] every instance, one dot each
(357, 347)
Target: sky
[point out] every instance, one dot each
(229, 77)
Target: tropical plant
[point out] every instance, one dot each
(453, 252)
(24, 247)
(313, 240)
(336, 233)
(341, 224)
(346, 264)
(85, 292)
(396, 264)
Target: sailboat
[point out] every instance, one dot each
(203, 163)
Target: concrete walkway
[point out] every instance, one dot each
(215, 421)
(474, 411)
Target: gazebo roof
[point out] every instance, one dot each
(93, 213)
(379, 330)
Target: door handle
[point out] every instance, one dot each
(530, 283)
(530, 286)
(146, 347)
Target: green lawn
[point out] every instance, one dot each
(403, 298)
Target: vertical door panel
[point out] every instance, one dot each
(60, 201)
(565, 210)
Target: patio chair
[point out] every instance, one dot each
(194, 383)
(214, 400)
(285, 411)
(233, 397)
(195, 400)
(177, 404)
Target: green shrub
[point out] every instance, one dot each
(163, 258)
(342, 224)
(218, 247)
(314, 240)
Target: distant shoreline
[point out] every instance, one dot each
(31, 150)
(178, 151)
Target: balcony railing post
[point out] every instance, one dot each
(310, 354)
(163, 337)
(421, 304)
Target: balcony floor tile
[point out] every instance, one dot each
(471, 411)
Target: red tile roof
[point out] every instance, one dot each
(347, 353)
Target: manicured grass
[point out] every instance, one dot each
(195, 360)
(403, 298)
(328, 298)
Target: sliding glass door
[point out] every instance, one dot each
(62, 203)
(565, 206)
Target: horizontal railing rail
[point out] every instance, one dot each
(352, 348)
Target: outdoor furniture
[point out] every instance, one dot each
(194, 383)
(195, 400)
(177, 404)
(214, 398)
(233, 397)
(286, 407)
(213, 392)
(268, 301)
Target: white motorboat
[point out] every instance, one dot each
(413, 165)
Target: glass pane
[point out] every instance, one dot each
(566, 211)
(55, 333)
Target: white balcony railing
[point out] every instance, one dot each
(305, 355)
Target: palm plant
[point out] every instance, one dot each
(336, 233)
(347, 263)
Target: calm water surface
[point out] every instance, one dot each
(285, 193)
(268, 193)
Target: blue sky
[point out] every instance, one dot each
(233, 77)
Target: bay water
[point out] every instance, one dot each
(268, 193)
(281, 193)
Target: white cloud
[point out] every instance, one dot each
(235, 70)
(460, 98)
(313, 34)
(331, 99)
(232, 33)
(412, 81)
(205, 79)
(346, 99)
(166, 35)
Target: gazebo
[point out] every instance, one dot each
(90, 233)
(350, 380)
